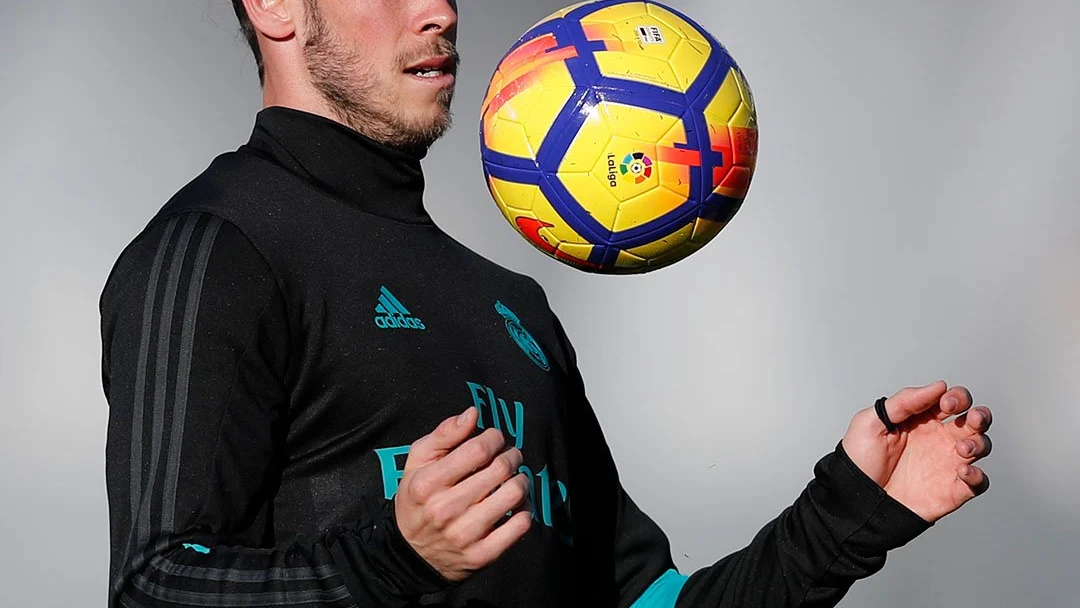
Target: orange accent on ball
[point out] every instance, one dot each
(530, 227)
(527, 52)
(521, 67)
(738, 179)
(510, 91)
(745, 140)
(562, 255)
(678, 156)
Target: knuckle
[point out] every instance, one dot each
(496, 438)
(443, 429)
(522, 523)
(439, 514)
(503, 467)
(866, 420)
(516, 457)
(523, 484)
(474, 560)
(526, 522)
(479, 452)
(417, 450)
(518, 490)
(457, 538)
(421, 488)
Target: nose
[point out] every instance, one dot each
(438, 17)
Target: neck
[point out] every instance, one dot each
(295, 93)
(291, 91)
(342, 162)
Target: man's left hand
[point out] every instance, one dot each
(927, 463)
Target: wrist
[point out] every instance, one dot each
(379, 565)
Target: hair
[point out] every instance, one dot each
(248, 30)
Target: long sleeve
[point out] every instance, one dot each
(195, 359)
(836, 532)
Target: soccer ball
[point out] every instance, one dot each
(618, 136)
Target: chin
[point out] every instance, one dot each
(435, 118)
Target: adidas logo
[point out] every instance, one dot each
(390, 313)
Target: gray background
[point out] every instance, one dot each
(914, 217)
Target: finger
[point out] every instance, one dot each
(956, 400)
(913, 401)
(465, 459)
(448, 435)
(490, 547)
(975, 480)
(974, 447)
(479, 519)
(483, 482)
(976, 420)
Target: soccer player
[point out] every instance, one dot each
(317, 398)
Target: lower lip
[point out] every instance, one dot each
(443, 80)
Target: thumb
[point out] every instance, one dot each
(450, 433)
(912, 401)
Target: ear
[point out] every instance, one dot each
(272, 18)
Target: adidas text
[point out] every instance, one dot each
(390, 313)
(398, 322)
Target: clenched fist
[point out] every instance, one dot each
(454, 492)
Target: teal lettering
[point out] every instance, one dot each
(552, 511)
(391, 474)
(545, 496)
(484, 399)
(478, 400)
(514, 427)
(562, 504)
(494, 411)
(532, 493)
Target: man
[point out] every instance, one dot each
(299, 365)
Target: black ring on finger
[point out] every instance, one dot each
(879, 407)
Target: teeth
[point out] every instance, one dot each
(428, 73)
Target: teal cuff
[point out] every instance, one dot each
(663, 593)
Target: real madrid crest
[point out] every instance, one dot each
(522, 337)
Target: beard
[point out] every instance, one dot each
(352, 87)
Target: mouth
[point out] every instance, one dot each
(433, 68)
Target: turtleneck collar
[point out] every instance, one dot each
(348, 166)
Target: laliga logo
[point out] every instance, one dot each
(638, 165)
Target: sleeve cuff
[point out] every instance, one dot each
(380, 567)
(888, 523)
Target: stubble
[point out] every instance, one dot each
(352, 87)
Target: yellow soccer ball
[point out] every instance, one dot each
(618, 136)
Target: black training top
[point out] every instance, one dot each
(292, 320)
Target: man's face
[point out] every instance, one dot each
(387, 67)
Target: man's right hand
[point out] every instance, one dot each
(453, 493)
